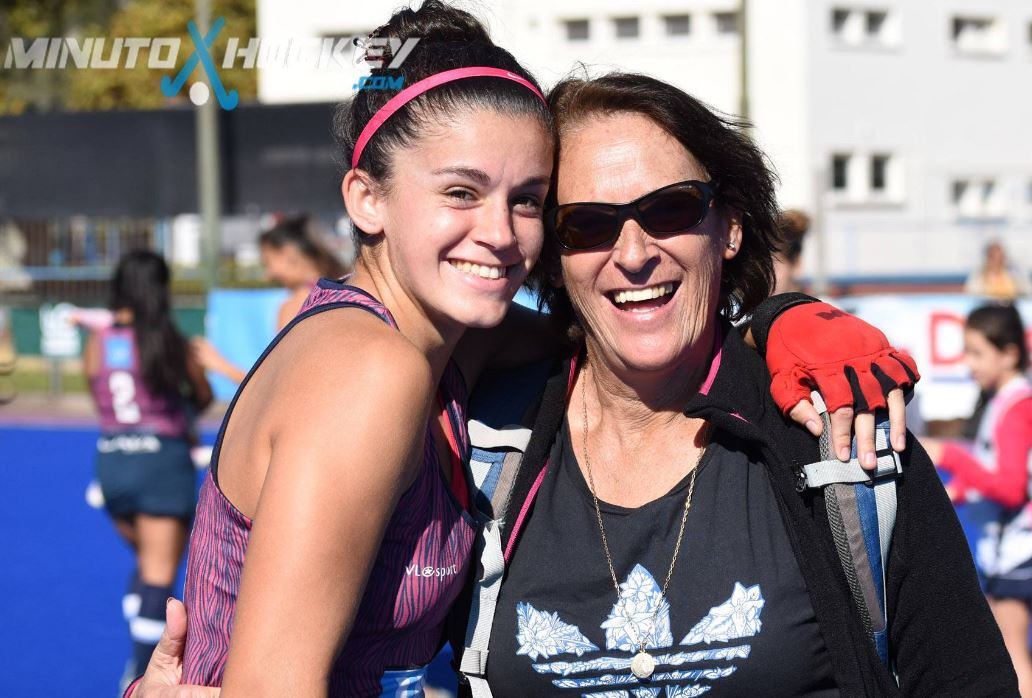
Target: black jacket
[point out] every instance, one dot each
(942, 636)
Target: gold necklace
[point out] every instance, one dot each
(643, 664)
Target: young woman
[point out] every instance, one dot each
(338, 470)
(147, 390)
(997, 469)
(293, 257)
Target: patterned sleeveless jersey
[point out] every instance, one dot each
(419, 571)
(124, 402)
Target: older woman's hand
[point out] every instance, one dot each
(845, 421)
(165, 669)
(816, 346)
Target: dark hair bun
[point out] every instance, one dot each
(433, 22)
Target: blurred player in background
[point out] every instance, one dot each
(792, 226)
(147, 389)
(295, 257)
(996, 468)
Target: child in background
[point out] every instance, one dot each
(997, 468)
(146, 388)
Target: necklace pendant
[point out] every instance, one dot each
(643, 665)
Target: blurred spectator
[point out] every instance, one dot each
(792, 225)
(295, 257)
(7, 358)
(13, 248)
(998, 278)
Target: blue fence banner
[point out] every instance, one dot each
(240, 323)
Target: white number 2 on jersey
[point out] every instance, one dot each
(123, 394)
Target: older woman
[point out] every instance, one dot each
(655, 542)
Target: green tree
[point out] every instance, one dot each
(119, 88)
(30, 19)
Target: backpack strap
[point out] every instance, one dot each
(861, 507)
(502, 412)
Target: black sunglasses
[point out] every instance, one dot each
(675, 208)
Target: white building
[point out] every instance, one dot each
(905, 125)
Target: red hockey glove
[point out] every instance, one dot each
(816, 346)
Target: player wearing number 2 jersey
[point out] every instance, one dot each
(146, 388)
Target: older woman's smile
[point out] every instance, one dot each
(643, 299)
(633, 298)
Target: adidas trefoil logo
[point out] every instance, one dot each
(542, 635)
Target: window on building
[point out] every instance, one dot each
(985, 35)
(879, 173)
(960, 188)
(626, 27)
(727, 22)
(576, 29)
(863, 27)
(855, 27)
(978, 198)
(875, 23)
(839, 20)
(840, 172)
(677, 25)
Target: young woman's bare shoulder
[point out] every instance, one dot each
(355, 353)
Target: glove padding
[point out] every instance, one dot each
(816, 346)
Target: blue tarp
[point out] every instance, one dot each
(240, 323)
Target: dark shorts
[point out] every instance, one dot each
(145, 474)
(1016, 584)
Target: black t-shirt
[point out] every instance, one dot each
(736, 620)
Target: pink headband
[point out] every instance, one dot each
(412, 91)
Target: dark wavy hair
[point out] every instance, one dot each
(449, 38)
(299, 232)
(1002, 326)
(141, 284)
(718, 142)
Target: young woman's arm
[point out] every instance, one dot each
(91, 356)
(290, 307)
(524, 337)
(848, 361)
(348, 448)
(201, 395)
(208, 357)
(1006, 481)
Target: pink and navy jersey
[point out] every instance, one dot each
(125, 403)
(419, 571)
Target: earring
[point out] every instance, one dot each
(732, 246)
